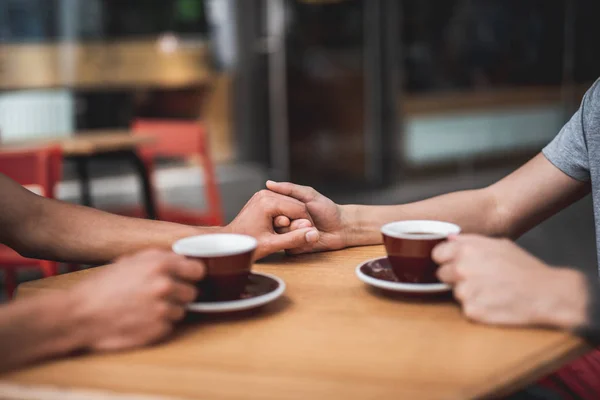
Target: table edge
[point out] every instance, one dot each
(548, 360)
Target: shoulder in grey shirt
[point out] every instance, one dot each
(576, 152)
(576, 149)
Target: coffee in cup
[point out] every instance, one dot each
(409, 245)
(228, 260)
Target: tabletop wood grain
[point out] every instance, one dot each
(330, 337)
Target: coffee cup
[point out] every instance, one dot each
(409, 245)
(228, 261)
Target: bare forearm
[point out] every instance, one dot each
(37, 328)
(473, 210)
(507, 208)
(79, 234)
(50, 229)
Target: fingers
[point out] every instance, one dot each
(449, 274)
(281, 222)
(295, 239)
(300, 224)
(174, 312)
(295, 225)
(291, 225)
(186, 269)
(457, 246)
(150, 334)
(445, 252)
(158, 332)
(165, 261)
(182, 293)
(175, 295)
(462, 291)
(283, 230)
(275, 205)
(291, 208)
(302, 193)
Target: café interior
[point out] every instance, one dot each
(178, 109)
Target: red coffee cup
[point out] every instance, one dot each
(228, 260)
(409, 245)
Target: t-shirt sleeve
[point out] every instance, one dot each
(569, 151)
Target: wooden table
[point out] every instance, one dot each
(88, 145)
(330, 337)
(137, 64)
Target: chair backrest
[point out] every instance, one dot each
(40, 168)
(187, 139)
(173, 138)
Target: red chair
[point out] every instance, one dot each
(38, 170)
(181, 139)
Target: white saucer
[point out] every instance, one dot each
(381, 264)
(276, 289)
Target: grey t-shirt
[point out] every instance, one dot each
(576, 149)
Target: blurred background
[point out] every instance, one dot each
(369, 101)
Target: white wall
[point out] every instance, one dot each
(454, 136)
(35, 114)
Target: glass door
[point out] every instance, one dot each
(324, 88)
(485, 82)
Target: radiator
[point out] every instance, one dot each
(36, 114)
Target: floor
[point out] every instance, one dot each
(566, 239)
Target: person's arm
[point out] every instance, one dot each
(131, 303)
(42, 228)
(37, 227)
(507, 208)
(37, 328)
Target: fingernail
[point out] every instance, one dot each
(270, 181)
(305, 224)
(312, 236)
